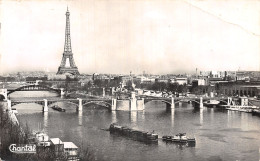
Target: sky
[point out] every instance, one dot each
(119, 36)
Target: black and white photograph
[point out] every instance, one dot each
(129, 80)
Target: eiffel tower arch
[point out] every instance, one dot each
(67, 54)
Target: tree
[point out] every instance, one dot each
(98, 82)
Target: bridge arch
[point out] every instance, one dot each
(164, 101)
(2, 97)
(17, 103)
(109, 105)
(34, 88)
(50, 103)
(223, 101)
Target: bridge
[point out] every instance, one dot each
(131, 104)
(36, 87)
(79, 102)
(197, 101)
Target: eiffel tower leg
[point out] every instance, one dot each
(63, 61)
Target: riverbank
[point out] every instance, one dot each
(84, 95)
(13, 131)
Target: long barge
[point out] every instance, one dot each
(147, 137)
(57, 108)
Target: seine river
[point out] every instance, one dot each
(220, 134)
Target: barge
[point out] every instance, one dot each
(212, 103)
(57, 108)
(147, 137)
(256, 112)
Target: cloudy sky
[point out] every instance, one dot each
(119, 36)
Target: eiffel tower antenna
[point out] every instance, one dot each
(67, 54)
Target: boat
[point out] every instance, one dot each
(212, 103)
(256, 112)
(242, 110)
(147, 137)
(167, 138)
(233, 108)
(254, 101)
(57, 108)
(249, 111)
(14, 111)
(179, 138)
(241, 104)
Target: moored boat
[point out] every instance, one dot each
(179, 138)
(57, 108)
(148, 137)
(256, 112)
(212, 103)
(14, 111)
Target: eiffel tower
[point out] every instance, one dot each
(67, 54)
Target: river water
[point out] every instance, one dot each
(220, 134)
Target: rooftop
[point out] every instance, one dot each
(56, 141)
(69, 145)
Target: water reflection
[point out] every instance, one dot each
(180, 145)
(244, 121)
(113, 115)
(201, 116)
(211, 114)
(80, 117)
(142, 115)
(172, 116)
(45, 121)
(228, 117)
(133, 116)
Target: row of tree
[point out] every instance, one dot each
(169, 87)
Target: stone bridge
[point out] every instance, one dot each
(197, 101)
(131, 104)
(79, 102)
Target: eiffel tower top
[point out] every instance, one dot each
(67, 45)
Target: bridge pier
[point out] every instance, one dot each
(45, 105)
(133, 102)
(80, 104)
(4, 93)
(201, 102)
(62, 92)
(229, 101)
(180, 104)
(143, 103)
(113, 91)
(9, 105)
(104, 92)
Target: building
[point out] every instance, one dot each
(42, 139)
(238, 89)
(70, 151)
(180, 80)
(57, 147)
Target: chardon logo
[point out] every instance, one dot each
(22, 148)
